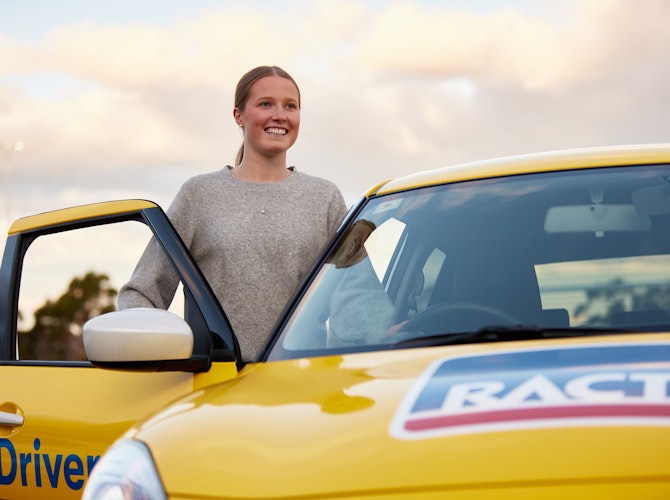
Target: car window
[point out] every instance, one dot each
(549, 250)
(69, 277)
(382, 244)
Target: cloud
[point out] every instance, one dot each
(566, 45)
(111, 108)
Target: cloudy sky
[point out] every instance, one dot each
(117, 98)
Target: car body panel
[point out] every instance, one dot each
(325, 427)
(71, 421)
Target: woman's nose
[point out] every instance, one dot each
(279, 114)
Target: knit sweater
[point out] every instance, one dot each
(254, 242)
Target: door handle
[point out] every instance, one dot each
(11, 419)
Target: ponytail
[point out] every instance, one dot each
(239, 156)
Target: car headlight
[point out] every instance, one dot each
(125, 472)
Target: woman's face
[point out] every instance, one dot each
(271, 116)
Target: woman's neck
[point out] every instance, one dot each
(252, 171)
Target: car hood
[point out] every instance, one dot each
(470, 420)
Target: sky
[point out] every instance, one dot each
(121, 99)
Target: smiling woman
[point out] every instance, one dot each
(255, 228)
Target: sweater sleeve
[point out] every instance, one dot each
(154, 280)
(360, 309)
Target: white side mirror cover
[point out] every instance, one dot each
(141, 334)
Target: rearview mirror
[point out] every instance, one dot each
(597, 217)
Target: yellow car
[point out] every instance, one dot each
(495, 330)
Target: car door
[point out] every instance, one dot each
(58, 412)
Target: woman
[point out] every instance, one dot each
(254, 229)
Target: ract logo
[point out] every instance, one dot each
(613, 384)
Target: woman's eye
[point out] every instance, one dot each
(292, 106)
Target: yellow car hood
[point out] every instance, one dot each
(591, 415)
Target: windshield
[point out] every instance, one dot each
(575, 249)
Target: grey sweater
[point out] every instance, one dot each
(254, 242)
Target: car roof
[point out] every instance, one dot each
(538, 162)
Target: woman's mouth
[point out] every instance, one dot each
(276, 131)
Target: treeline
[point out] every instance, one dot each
(57, 331)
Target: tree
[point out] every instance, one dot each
(604, 302)
(57, 332)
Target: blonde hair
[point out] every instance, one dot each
(243, 90)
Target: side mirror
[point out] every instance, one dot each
(137, 335)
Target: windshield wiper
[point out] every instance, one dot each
(506, 334)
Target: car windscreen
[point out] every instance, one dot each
(555, 251)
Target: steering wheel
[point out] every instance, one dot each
(440, 318)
